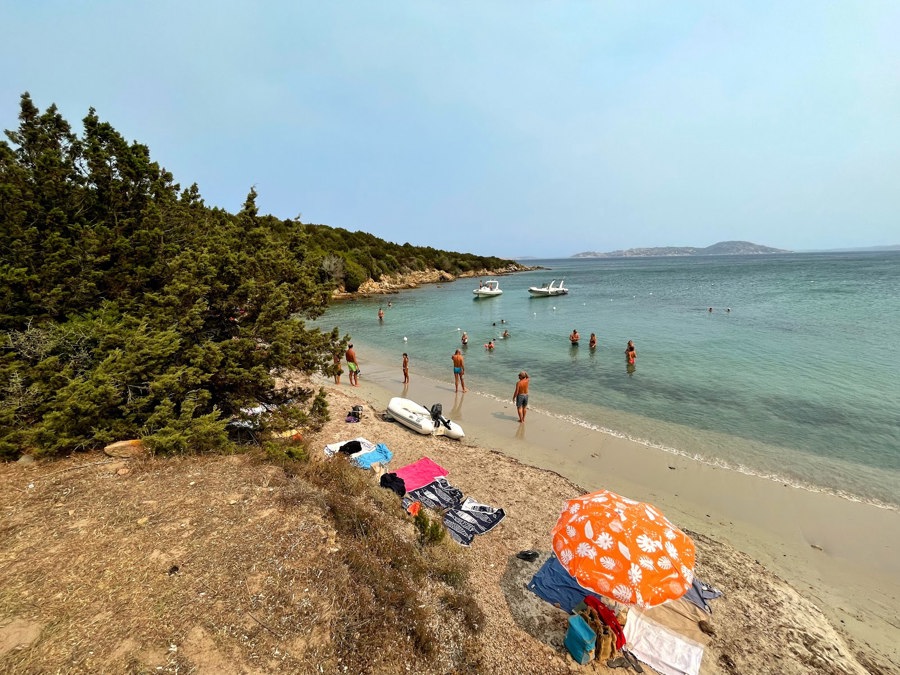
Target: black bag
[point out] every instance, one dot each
(351, 447)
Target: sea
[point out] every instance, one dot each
(785, 366)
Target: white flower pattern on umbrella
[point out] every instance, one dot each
(585, 550)
(623, 549)
(648, 544)
(604, 540)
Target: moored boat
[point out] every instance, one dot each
(547, 290)
(488, 289)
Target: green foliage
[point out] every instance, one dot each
(364, 256)
(430, 532)
(129, 309)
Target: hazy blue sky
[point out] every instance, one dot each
(500, 128)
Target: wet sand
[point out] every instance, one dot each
(842, 556)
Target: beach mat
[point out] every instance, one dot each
(470, 519)
(420, 473)
(438, 494)
(554, 584)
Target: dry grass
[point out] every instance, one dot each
(212, 564)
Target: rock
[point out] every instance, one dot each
(25, 460)
(126, 449)
(18, 634)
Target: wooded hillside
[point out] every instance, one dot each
(129, 308)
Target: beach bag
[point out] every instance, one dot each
(580, 639)
(356, 412)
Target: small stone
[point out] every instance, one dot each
(126, 449)
(143, 521)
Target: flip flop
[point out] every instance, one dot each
(529, 555)
(632, 661)
(618, 662)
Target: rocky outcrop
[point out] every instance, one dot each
(392, 283)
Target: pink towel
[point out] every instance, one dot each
(420, 473)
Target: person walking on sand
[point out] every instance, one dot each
(630, 353)
(574, 337)
(521, 396)
(337, 367)
(459, 370)
(352, 366)
(405, 368)
(592, 343)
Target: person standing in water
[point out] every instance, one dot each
(380, 314)
(465, 339)
(630, 353)
(574, 338)
(592, 343)
(405, 368)
(352, 366)
(520, 396)
(459, 370)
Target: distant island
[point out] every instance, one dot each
(722, 248)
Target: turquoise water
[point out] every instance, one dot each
(800, 381)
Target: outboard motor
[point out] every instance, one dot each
(437, 411)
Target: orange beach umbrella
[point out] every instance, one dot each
(623, 549)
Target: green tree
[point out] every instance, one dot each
(130, 309)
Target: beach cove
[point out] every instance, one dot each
(753, 421)
(839, 555)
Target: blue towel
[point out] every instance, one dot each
(555, 585)
(379, 454)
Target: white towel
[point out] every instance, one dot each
(660, 648)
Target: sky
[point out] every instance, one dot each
(511, 128)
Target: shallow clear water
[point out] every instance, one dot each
(799, 381)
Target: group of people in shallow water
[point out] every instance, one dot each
(520, 395)
(630, 351)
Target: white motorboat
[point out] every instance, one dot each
(488, 289)
(552, 288)
(421, 419)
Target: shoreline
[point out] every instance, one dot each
(839, 554)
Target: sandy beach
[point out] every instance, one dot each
(825, 570)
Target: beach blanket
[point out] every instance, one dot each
(438, 494)
(420, 473)
(333, 448)
(662, 649)
(379, 454)
(471, 518)
(554, 584)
